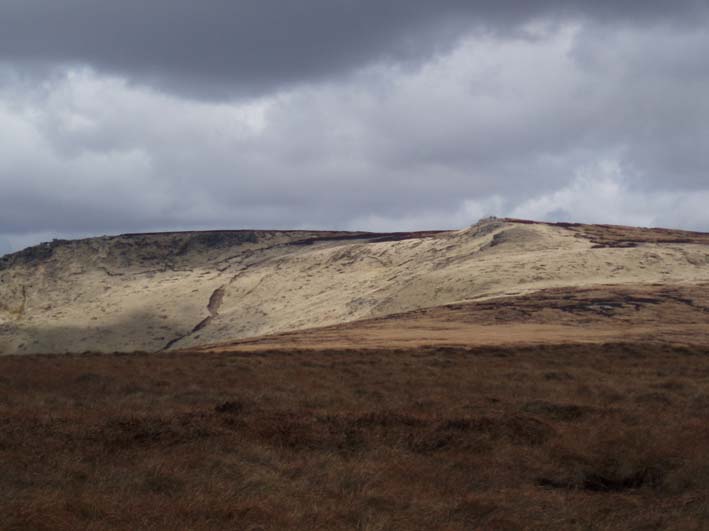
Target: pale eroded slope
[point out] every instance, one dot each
(150, 292)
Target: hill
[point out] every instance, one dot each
(511, 375)
(164, 291)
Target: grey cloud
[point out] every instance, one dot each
(226, 48)
(602, 119)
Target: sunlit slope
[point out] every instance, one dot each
(178, 290)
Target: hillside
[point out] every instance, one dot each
(643, 314)
(166, 291)
(511, 375)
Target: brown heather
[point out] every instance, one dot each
(568, 437)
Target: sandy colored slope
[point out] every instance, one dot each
(151, 292)
(600, 314)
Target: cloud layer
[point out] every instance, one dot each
(226, 46)
(349, 115)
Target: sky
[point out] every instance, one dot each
(140, 115)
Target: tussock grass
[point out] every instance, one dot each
(544, 437)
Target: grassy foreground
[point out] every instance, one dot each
(549, 437)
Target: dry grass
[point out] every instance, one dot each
(625, 236)
(601, 314)
(549, 437)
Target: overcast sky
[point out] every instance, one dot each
(140, 115)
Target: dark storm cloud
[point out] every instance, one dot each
(222, 48)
